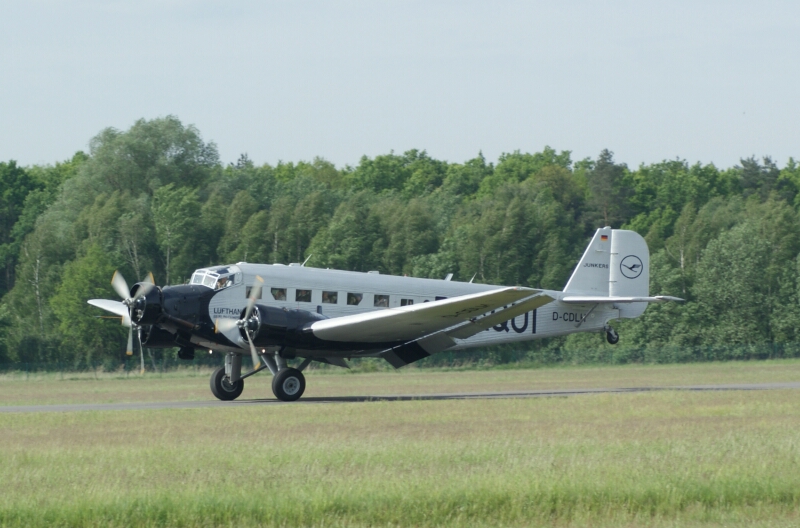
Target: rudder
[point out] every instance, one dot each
(629, 273)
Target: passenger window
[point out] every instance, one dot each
(381, 301)
(330, 297)
(440, 298)
(249, 289)
(279, 294)
(354, 298)
(406, 302)
(302, 296)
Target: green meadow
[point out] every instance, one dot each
(665, 458)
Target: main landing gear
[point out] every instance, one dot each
(288, 384)
(611, 335)
(222, 388)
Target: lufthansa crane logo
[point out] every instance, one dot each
(631, 266)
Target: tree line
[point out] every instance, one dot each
(157, 198)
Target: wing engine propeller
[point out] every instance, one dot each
(247, 323)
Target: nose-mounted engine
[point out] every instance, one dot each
(148, 308)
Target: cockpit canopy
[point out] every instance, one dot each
(217, 278)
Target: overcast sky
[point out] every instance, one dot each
(708, 81)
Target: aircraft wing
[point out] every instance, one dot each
(431, 344)
(114, 307)
(473, 326)
(589, 299)
(408, 323)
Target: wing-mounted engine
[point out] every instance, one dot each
(269, 326)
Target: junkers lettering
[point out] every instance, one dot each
(567, 316)
(595, 265)
(631, 266)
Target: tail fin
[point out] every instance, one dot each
(591, 275)
(616, 264)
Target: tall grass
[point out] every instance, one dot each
(658, 459)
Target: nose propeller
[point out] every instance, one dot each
(223, 325)
(121, 287)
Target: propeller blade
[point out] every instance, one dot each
(223, 325)
(255, 294)
(141, 348)
(126, 320)
(147, 284)
(253, 353)
(120, 286)
(129, 350)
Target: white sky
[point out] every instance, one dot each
(709, 81)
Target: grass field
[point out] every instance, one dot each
(644, 459)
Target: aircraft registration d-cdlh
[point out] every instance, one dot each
(278, 313)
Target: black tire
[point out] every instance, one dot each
(224, 389)
(288, 384)
(612, 337)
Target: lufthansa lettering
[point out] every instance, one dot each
(228, 311)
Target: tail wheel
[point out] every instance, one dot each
(222, 388)
(612, 336)
(288, 384)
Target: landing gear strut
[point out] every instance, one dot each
(611, 336)
(288, 384)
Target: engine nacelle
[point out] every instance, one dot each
(147, 309)
(270, 326)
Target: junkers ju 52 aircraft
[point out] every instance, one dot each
(280, 313)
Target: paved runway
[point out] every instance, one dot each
(407, 397)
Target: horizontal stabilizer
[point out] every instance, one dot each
(589, 299)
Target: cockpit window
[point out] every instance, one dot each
(217, 279)
(224, 282)
(210, 280)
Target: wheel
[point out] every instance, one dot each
(288, 384)
(612, 337)
(222, 388)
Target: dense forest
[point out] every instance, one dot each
(156, 197)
